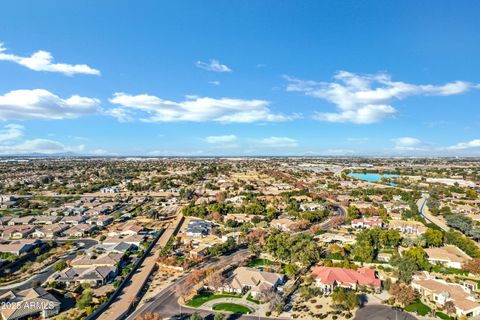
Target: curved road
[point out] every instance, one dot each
(166, 303)
(380, 312)
(42, 275)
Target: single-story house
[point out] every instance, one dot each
(450, 256)
(328, 278)
(252, 279)
(440, 291)
(29, 303)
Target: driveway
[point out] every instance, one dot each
(166, 301)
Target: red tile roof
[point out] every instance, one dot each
(329, 275)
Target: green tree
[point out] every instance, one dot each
(84, 300)
(471, 194)
(433, 238)
(405, 266)
(219, 316)
(345, 299)
(352, 213)
(59, 266)
(364, 252)
(291, 270)
(419, 256)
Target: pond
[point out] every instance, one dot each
(372, 177)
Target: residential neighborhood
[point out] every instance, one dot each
(242, 237)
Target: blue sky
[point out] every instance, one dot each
(240, 77)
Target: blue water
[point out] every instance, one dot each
(372, 177)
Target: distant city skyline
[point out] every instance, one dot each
(238, 78)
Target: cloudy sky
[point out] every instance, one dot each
(240, 78)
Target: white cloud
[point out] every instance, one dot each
(43, 146)
(214, 82)
(221, 139)
(465, 145)
(407, 143)
(11, 132)
(278, 142)
(42, 104)
(197, 109)
(43, 61)
(363, 115)
(213, 65)
(365, 99)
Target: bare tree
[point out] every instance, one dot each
(450, 307)
(215, 280)
(182, 290)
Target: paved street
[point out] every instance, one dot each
(166, 302)
(380, 312)
(425, 212)
(44, 274)
(130, 292)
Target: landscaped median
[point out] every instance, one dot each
(201, 298)
(232, 307)
(227, 302)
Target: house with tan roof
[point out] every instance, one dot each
(255, 280)
(19, 247)
(135, 240)
(439, 292)
(312, 206)
(79, 230)
(328, 278)
(449, 256)
(239, 217)
(128, 228)
(408, 227)
(94, 276)
(104, 260)
(73, 220)
(283, 224)
(21, 221)
(46, 220)
(17, 232)
(30, 303)
(48, 231)
(367, 222)
(330, 237)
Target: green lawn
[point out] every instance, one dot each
(443, 316)
(231, 307)
(419, 308)
(250, 298)
(201, 298)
